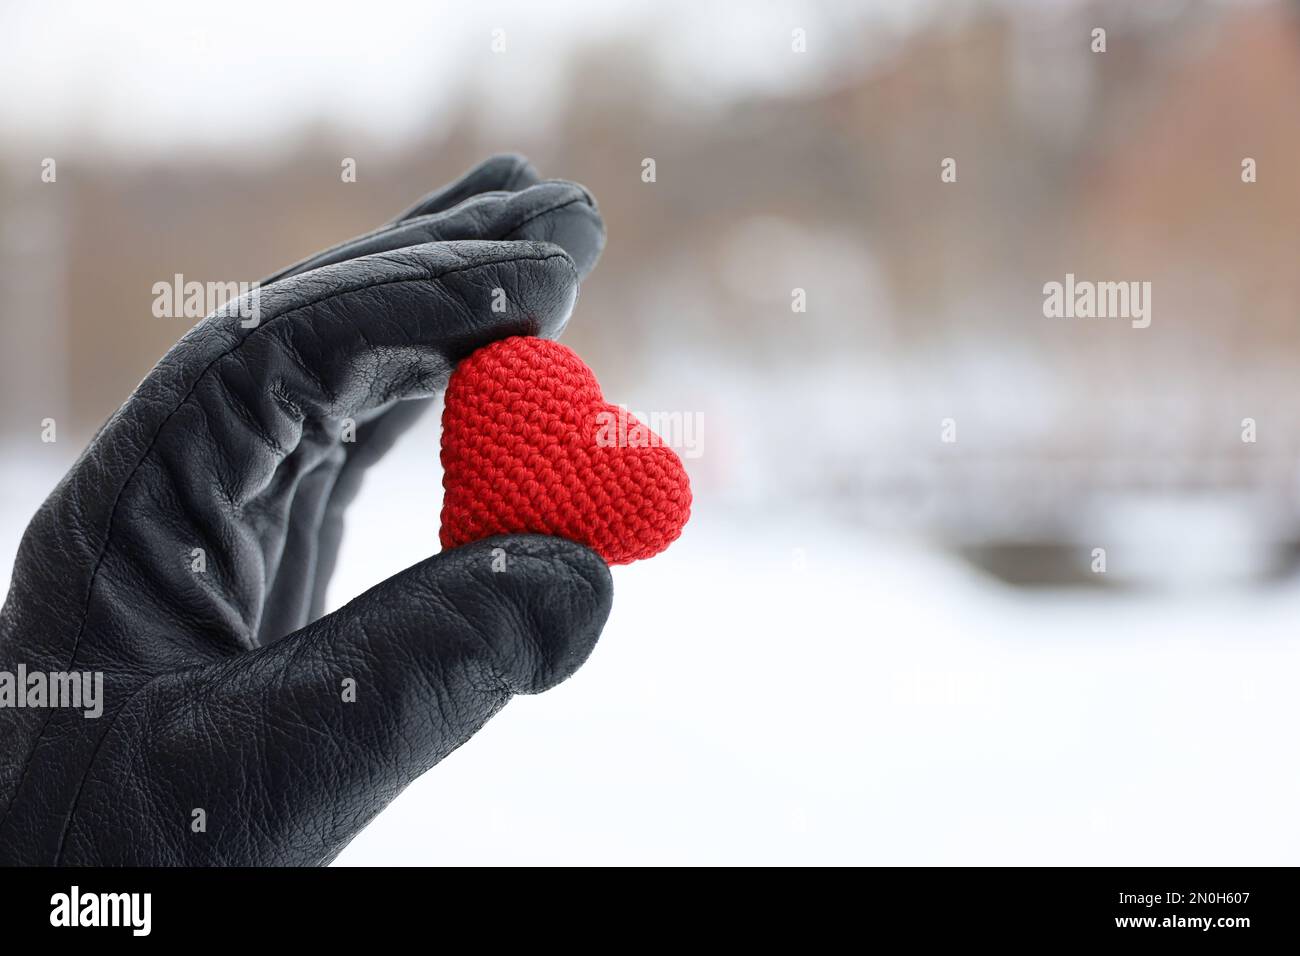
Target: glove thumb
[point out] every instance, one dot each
(318, 731)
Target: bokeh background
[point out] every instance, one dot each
(871, 646)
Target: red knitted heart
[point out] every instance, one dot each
(527, 446)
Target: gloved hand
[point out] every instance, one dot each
(224, 692)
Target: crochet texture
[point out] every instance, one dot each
(529, 444)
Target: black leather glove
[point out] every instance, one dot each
(227, 702)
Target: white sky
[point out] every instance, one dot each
(152, 75)
(144, 77)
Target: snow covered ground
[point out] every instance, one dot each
(776, 690)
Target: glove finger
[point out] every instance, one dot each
(293, 748)
(311, 475)
(560, 212)
(504, 172)
(500, 173)
(314, 531)
(190, 462)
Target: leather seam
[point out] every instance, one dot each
(307, 265)
(81, 784)
(550, 210)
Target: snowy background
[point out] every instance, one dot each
(776, 690)
(869, 646)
